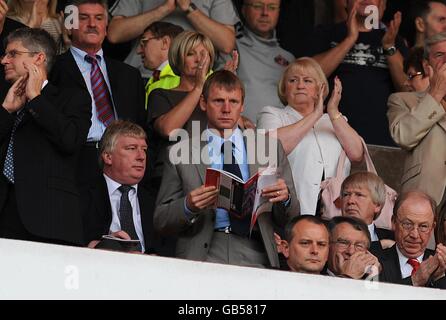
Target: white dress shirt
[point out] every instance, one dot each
(406, 268)
(372, 231)
(115, 200)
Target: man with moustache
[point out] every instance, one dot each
(116, 89)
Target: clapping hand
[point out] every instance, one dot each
(35, 80)
(231, 65)
(15, 98)
(392, 31)
(336, 95)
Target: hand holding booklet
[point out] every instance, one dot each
(242, 198)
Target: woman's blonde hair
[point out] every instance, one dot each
(306, 66)
(184, 43)
(16, 9)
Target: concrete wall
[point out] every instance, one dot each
(41, 271)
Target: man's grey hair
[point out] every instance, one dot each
(36, 40)
(436, 38)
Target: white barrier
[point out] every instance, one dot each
(41, 271)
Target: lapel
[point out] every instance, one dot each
(49, 92)
(394, 270)
(102, 203)
(113, 75)
(196, 155)
(145, 205)
(69, 66)
(252, 165)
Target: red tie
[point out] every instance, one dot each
(101, 94)
(415, 265)
(156, 75)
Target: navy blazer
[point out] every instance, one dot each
(46, 149)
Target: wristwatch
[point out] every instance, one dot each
(390, 51)
(192, 7)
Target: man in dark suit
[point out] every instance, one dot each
(123, 149)
(42, 129)
(185, 206)
(116, 89)
(363, 195)
(409, 261)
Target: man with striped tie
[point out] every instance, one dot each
(42, 129)
(116, 89)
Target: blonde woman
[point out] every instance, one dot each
(312, 139)
(39, 14)
(191, 56)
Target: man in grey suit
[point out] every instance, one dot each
(185, 206)
(418, 124)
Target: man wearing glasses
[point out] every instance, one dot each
(349, 243)
(42, 130)
(262, 60)
(409, 261)
(154, 49)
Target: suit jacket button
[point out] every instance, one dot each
(205, 245)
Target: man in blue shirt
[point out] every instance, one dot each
(186, 207)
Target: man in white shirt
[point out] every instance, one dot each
(409, 261)
(118, 205)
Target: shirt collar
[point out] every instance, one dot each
(162, 65)
(44, 84)
(215, 141)
(81, 53)
(112, 185)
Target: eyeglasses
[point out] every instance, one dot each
(409, 225)
(13, 53)
(344, 244)
(258, 6)
(410, 76)
(144, 41)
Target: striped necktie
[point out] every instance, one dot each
(101, 94)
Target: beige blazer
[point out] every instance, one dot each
(418, 124)
(194, 237)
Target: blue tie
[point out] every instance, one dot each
(8, 168)
(239, 225)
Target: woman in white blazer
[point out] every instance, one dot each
(312, 139)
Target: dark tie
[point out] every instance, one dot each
(239, 225)
(8, 168)
(126, 213)
(415, 265)
(156, 75)
(101, 94)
